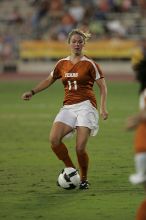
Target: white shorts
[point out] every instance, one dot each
(140, 165)
(80, 114)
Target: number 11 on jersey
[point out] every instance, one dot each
(72, 85)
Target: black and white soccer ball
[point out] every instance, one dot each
(69, 178)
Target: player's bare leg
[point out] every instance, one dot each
(58, 131)
(83, 159)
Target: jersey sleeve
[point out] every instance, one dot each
(56, 72)
(96, 71)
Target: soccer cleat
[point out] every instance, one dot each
(84, 185)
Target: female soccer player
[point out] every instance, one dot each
(138, 122)
(78, 74)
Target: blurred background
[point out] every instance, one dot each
(33, 33)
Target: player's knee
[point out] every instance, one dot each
(55, 141)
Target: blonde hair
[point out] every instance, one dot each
(86, 35)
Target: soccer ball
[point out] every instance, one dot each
(69, 178)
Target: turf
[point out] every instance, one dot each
(29, 169)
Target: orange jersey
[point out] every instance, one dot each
(140, 137)
(78, 79)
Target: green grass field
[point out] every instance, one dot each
(29, 169)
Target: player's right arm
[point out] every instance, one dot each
(134, 121)
(40, 87)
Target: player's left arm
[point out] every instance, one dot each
(103, 97)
